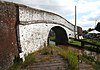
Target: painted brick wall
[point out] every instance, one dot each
(8, 45)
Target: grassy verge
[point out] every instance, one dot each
(88, 40)
(75, 42)
(86, 46)
(92, 41)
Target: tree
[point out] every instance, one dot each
(85, 32)
(98, 27)
(90, 29)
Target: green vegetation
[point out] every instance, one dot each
(98, 26)
(16, 65)
(75, 42)
(66, 54)
(89, 57)
(97, 65)
(49, 51)
(19, 64)
(92, 41)
(52, 38)
(86, 46)
(73, 60)
(28, 60)
(88, 40)
(91, 60)
(97, 62)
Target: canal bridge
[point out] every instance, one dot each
(24, 30)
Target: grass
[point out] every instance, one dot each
(16, 66)
(49, 51)
(87, 46)
(88, 40)
(75, 42)
(90, 60)
(68, 54)
(73, 60)
(92, 41)
(52, 38)
(28, 60)
(19, 64)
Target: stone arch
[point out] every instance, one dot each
(60, 35)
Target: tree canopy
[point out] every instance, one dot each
(98, 27)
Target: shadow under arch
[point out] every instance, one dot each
(59, 34)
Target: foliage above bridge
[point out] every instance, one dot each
(98, 27)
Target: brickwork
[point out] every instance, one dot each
(8, 45)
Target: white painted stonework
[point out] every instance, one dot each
(35, 26)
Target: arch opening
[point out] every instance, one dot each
(57, 36)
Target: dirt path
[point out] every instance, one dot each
(48, 63)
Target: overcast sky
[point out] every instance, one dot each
(87, 10)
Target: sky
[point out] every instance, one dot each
(88, 11)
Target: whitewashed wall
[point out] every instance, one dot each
(29, 14)
(33, 35)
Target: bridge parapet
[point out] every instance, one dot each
(30, 14)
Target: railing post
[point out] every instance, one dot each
(82, 44)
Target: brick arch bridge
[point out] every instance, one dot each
(25, 30)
